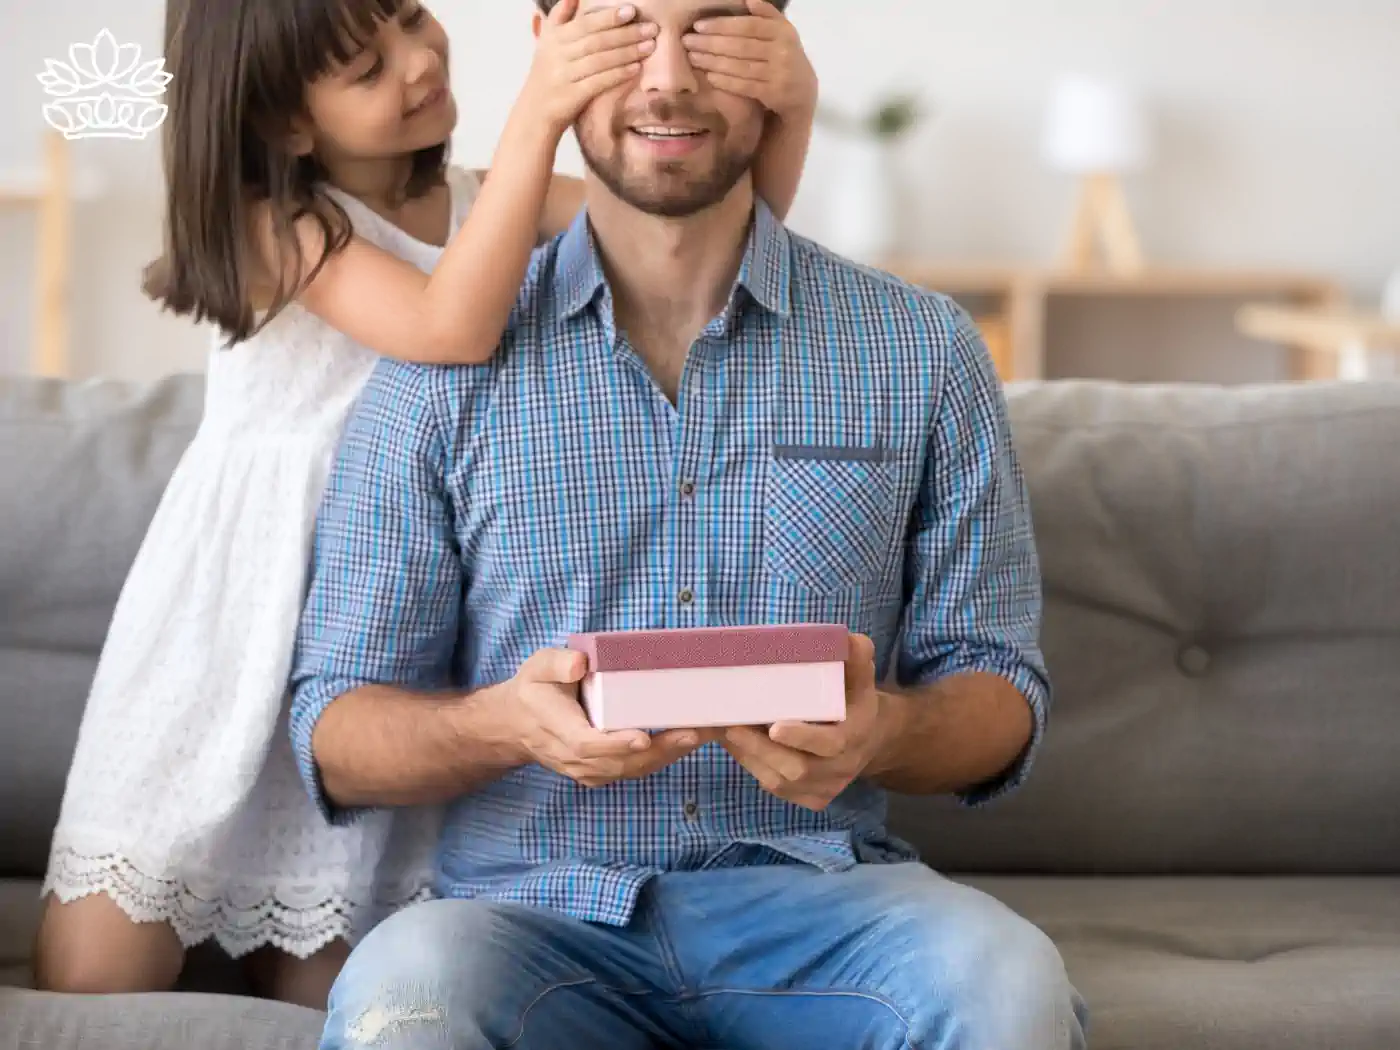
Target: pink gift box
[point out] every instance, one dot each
(714, 676)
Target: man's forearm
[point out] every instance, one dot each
(954, 735)
(380, 746)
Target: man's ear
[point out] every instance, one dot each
(536, 23)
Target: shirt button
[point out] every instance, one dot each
(687, 489)
(686, 596)
(691, 810)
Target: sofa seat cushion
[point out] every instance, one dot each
(1165, 964)
(169, 1021)
(1224, 964)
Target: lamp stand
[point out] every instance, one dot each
(1102, 216)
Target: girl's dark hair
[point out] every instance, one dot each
(548, 5)
(239, 74)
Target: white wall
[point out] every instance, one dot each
(1280, 125)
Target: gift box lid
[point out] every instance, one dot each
(673, 649)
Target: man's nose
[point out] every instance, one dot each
(667, 70)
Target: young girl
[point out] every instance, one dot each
(308, 199)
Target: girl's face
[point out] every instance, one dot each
(390, 99)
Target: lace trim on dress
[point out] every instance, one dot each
(241, 917)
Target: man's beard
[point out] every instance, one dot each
(667, 190)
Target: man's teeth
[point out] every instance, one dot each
(666, 133)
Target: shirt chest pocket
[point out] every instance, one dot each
(828, 516)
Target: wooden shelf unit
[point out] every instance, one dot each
(1014, 323)
(50, 193)
(1356, 341)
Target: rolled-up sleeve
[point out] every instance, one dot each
(972, 573)
(384, 598)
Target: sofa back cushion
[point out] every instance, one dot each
(1222, 627)
(1222, 622)
(82, 468)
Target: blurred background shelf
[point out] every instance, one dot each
(50, 191)
(1011, 303)
(1361, 345)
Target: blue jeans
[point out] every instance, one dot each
(759, 958)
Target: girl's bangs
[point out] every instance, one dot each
(328, 35)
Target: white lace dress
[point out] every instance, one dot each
(183, 803)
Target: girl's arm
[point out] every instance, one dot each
(778, 167)
(760, 56)
(456, 315)
(562, 203)
(561, 206)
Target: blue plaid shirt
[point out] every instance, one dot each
(838, 452)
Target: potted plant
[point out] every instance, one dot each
(864, 217)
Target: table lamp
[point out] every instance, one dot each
(1098, 131)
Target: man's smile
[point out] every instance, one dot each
(669, 140)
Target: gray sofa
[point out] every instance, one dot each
(1212, 836)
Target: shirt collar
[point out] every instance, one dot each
(765, 273)
(578, 273)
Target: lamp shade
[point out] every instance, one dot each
(1095, 127)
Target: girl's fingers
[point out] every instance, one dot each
(562, 12)
(608, 39)
(603, 61)
(595, 85)
(740, 25)
(731, 67)
(744, 88)
(599, 20)
(730, 46)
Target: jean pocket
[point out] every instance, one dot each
(827, 516)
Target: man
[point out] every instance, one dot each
(695, 419)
